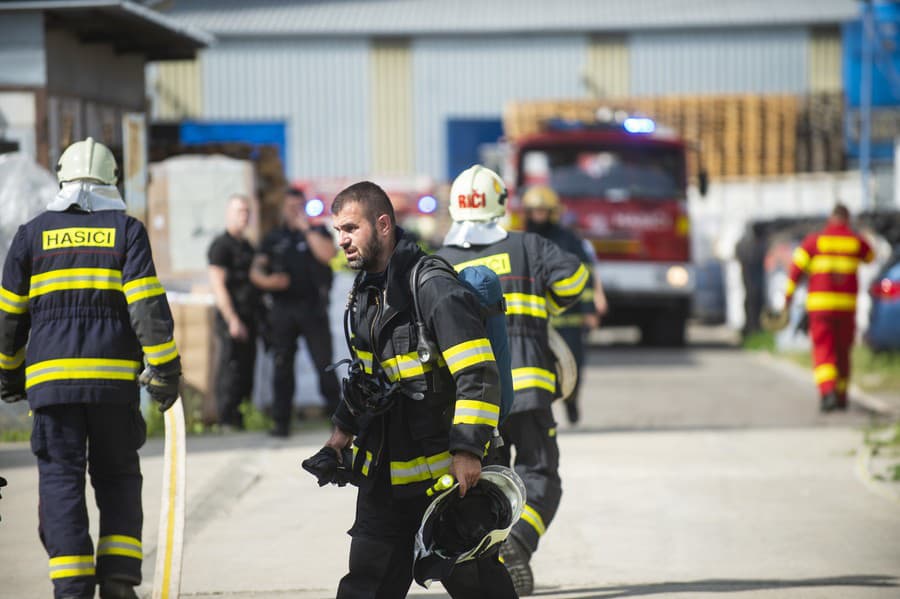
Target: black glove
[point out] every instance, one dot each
(324, 465)
(12, 386)
(162, 387)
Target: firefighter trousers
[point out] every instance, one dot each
(533, 434)
(381, 555)
(103, 438)
(287, 324)
(832, 338)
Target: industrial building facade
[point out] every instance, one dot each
(394, 87)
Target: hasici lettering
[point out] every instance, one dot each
(70, 237)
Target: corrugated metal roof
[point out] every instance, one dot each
(423, 17)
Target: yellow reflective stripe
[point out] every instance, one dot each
(837, 244)
(801, 258)
(825, 373)
(530, 515)
(822, 263)
(471, 411)
(66, 566)
(67, 279)
(366, 358)
(162, 353)
(553, 307)
(120, 545)
(420, 469)
(404, 366)
(572, 285)
(525, 304)
(81, 368)
(588, 294)
(366, 464)
(468, 353)
(827, 300)
(790, 287)
(12, 362)
(13, 303)
(142, 288)
(572, 320)
(528, 377)
(499, 263)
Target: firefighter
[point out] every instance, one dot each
(404, 424)
(539, 279)
(830, 259)
(542, 212)
(80, 288)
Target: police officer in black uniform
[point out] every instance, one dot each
(237, 301)
(542, 215)
(404, 423)
(539, 279)
(79, 286)
(293, 266)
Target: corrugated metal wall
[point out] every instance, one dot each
(825, 60)
(22, 59)
(606, 70)
(177, 90)
(475, 76)
(390, 80)
(719, 61)
(318, 87)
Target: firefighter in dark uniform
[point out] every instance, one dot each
(293, 266)
(542, 212)
(80, 289)
(404, 422)
(539, 279)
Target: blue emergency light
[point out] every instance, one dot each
(636, 124)
(315, 207)
(427, 204)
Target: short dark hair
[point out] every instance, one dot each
(374, 200)
(840, 211)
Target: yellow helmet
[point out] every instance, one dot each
(541, 196)
(87, 159)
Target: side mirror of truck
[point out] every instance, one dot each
(703, 182)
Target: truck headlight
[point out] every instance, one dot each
(678, 276)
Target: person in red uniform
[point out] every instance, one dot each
(830, 259)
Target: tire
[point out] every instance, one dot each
(666, 329)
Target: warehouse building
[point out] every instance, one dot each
(415, 87)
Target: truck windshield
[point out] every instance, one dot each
(614, 173)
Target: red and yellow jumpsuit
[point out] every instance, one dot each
(830, 259)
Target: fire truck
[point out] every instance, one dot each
(623, 182)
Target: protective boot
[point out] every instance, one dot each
(117, 589)
(516, 558)
(829, 402)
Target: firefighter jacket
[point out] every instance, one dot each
(80, 290)
(830, 259)
(539, 279)
(441, 408)
(570, 242)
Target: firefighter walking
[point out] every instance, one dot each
(830, 259)
(542, 215)
(539, 279)
(79, 288)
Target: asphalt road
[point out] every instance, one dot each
(701, 472)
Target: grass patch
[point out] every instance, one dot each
(254, 420)
(760, 341)
(884, 441)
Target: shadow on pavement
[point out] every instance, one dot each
(716, 585)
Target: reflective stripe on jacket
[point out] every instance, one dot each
(539, 280)
(81, 290)
(830, 260)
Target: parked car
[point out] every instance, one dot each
(884, 318)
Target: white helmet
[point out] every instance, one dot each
(87, 160)
(456, 529)
(477, 194)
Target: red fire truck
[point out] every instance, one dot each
(623, 182)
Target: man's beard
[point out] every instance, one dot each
(366, 257)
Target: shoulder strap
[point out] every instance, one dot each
(426, 268)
